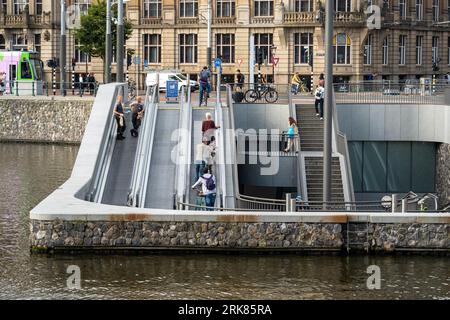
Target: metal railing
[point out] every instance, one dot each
(44, 88)
(270, 143)
(261, 93)
(138, 186)
(97, 183)
(390, 92)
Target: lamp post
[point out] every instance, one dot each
(108, 53)
(62, 53)
(273, 49)
(208, 48)
(328, 105)
(120, 41)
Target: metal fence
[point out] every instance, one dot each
(275, 144)
(391, 92)
(44, 88)
(261, 93)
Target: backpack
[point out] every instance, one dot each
(204, 76)
(210, 185)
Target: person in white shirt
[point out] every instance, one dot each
(208, 182)
(319, 95)
(201, 157)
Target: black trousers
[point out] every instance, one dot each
(319, 106)
(135, 121)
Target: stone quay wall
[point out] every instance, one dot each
(443, 174)
(43, 119)
(276, 236)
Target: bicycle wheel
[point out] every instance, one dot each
(271, 96)
(251, 95)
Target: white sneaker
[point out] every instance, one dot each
(317, 114)
(321, 118)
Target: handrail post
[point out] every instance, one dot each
(394, 203)
(288, 202)
(293, 205)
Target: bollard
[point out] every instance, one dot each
(288, 202)
(404, 204)
(17, 88)
(293, 205)
(394, 203)
(32, 88)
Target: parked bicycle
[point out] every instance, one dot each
(266, 91)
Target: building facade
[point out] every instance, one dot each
(412, 41)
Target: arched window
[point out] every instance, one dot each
(341, 49)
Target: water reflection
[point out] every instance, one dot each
(30, 172)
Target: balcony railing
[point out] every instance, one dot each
(262, 20)
(14, 20)
(299, 17)
(224, 20)
(24, 20)
(151, 21)
(350, 17)
(187, 21)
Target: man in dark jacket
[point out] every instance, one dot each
(138, 113)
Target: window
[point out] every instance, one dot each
(19, 42)
(402, 50)
(343, 5)
(419, 10)
(402, 9)
(303, 5)
(38, 7)
(3, 42)
(303, 47)
(188, 48)
(152, 48)
(263, 8)
(80, 56)
(4, 4)
(435, 49)
(152, 8)
(264, 43)
(368, 50)
(448, 50)
(25, 70)
(226, 8)
(419, 41)
(188, 8)
(37, 42)
(225, 47)
(19, 6)
(83, 5)
(341, 49)
(385, 54)
(448, 9)
(435, 10)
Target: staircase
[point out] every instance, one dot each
(311, 139)
(311, 128)
(314, 179)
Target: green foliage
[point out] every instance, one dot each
(92, 33)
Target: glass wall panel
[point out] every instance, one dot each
(423, 166)
(398, 167)
(355, 150)
(374, 169)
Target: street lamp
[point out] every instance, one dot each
(273, 49)
(120, 39)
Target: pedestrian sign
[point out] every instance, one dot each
(172, 90)
(217, 62)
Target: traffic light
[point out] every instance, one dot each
(129, 59)
(259, 56)
(53, 63)
(435, 67)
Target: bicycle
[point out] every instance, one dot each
(299, 87)
(205, 94)
(131, 89)
(269, 94)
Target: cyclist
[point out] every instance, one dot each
(204, 78)
(296, 81)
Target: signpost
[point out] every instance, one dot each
(171, 91)
(275, 61)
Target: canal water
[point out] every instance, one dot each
(29, 172)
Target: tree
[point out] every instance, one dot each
(92, 32)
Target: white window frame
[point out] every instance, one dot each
(347, 5)
(38, 4)
(188, 8)
(19, 45)
(419, 50)
(402, 50)
(385, 53)
(435, 49)
(149, 7)
(185, 47)
(303, 5)
(347, 50)
(402, 9)
(220, 45)
(19, 6)
(149, 45)
(83, 6)
(263, 8)
(435, 10)
(80, 57)
(301, 47)
(225, 8)
(419, 10)
(368, 50)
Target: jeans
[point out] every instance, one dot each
(204, 86)
(210, 199)
(199, 166)
(319, 107)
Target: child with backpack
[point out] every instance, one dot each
(208, 182)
